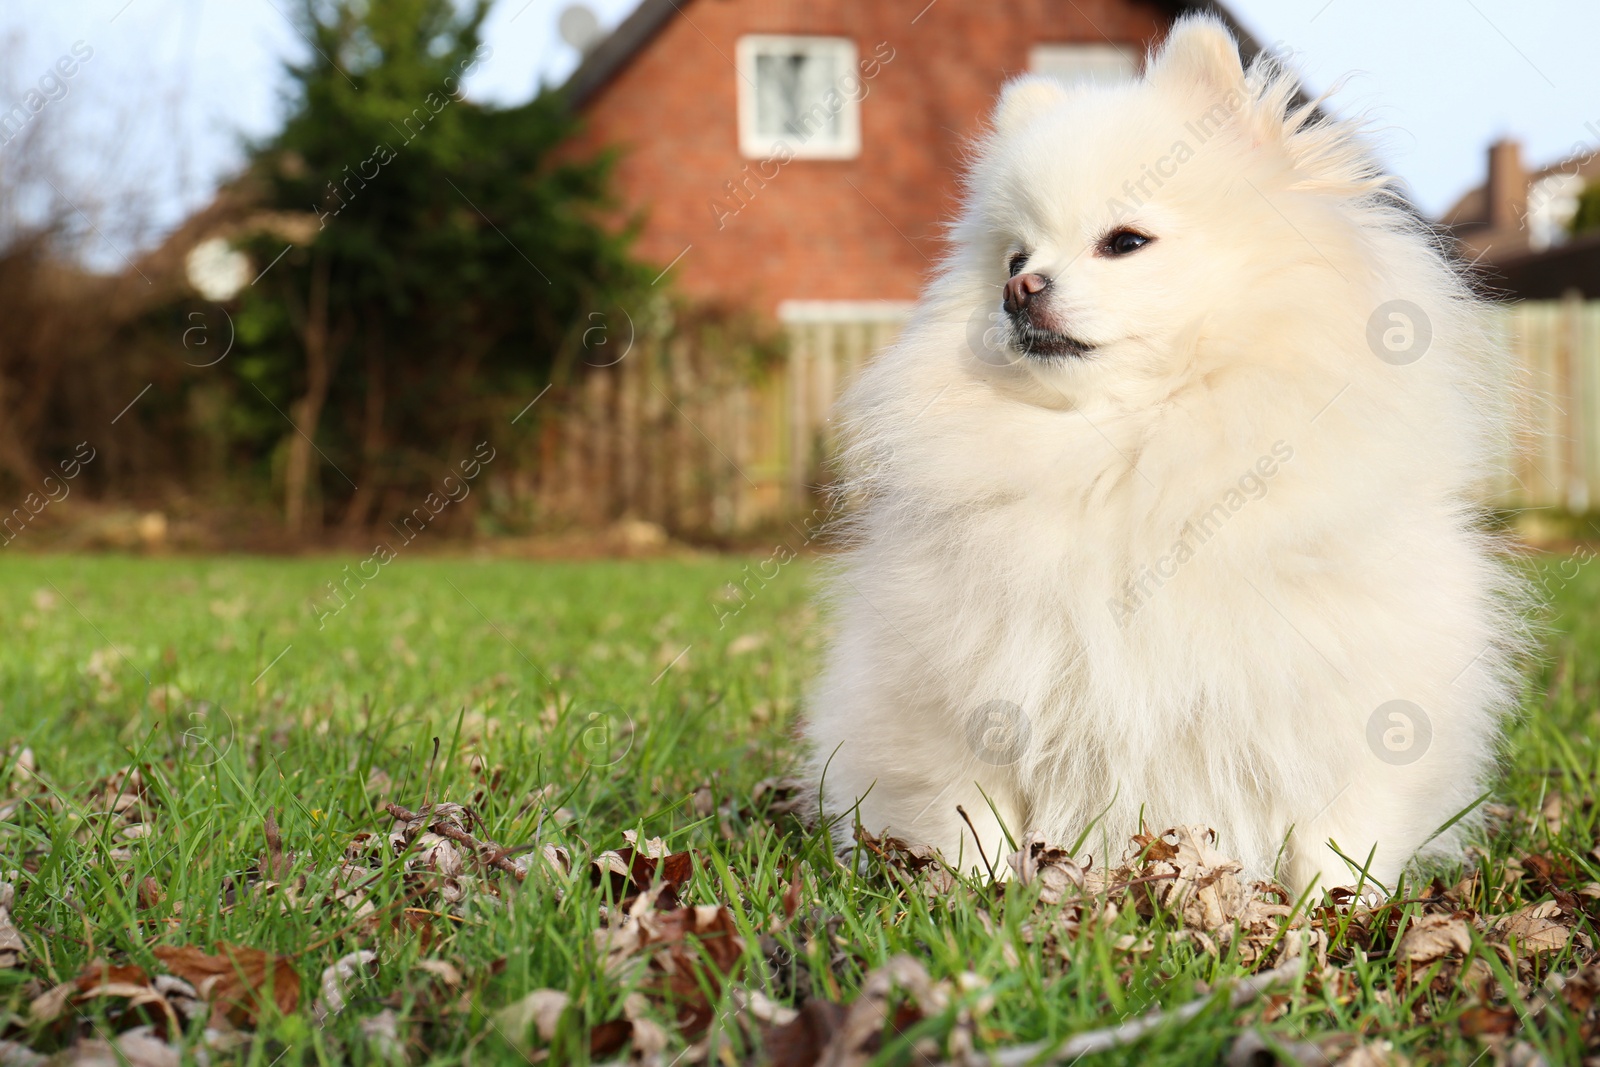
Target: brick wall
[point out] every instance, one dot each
(867, 228)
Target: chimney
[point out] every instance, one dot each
(1507, 188)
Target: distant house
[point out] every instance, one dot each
(799, 157)
(1515, 225)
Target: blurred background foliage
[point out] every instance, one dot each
(452, 248)
(416, 268)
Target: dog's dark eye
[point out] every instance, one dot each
(1017, 261)
(1123, 243)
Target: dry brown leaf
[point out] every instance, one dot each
(14, 1055)
(440, 855)
(1431, 937)
(135, 1048)
(1534, 929)
(382, 1032)
(609, 1037)
(236, 979)
(1376, 1054)
(541, 1010)
(649, 1038)
(1551, 814)
(763, 1009)
(803, 1040)
(150, 893)
(629, 871)
(1053, 869)
(443, 970)
(336, 978)
(653, 847)
(125, 796)
(1485, 1019)
(558, 859)
(703, 801)
(11, 944)
(1581, 991)
(48, 1006)
(865, 1020)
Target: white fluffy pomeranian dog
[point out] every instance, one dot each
(1163, 506)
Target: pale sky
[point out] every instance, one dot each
(173, 85)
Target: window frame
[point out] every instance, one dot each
(1129, 52)
(752, 144)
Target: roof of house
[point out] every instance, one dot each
(1573, 266)
(611, 54)
(1472, 207)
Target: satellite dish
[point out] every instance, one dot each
(580, 27)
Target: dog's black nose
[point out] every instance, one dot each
(1022, 289)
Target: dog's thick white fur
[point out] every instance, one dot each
(1180, 572)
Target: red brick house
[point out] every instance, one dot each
(800, 157)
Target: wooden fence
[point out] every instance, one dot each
(1557, 461)
(676, 437)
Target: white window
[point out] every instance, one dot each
(1094, 64)
(802, 94)
(1552, 204)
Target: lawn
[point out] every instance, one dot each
(202, 762)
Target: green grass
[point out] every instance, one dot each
(485, 682)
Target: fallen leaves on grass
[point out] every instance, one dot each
(629, 871)
(1182, 872)
(382, 1034)
(1433, 937)
(439, 835)
(1178, 872)
(917, 864)
(1251, 1049)
(808, 1037)
(126, 983)
(1053, 870)
(1536, 928)
(682, 954)
(236, 979)
(336, 977)
(1180, 877)
(11, 943)
(686, 952)
(150, 894)
(146, 1013)
(125, 802)
(139, 1047)
(442, 862)
(21, 782)
(539, 1011)
(899, 994)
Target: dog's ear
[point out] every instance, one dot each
(1199, 52)
(1025, 98)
